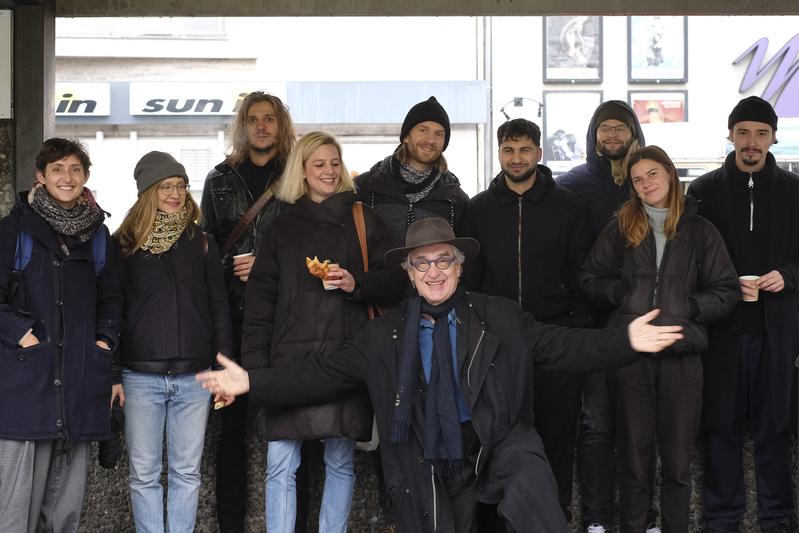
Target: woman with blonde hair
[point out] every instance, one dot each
(658, 253)
(290, 313)
(176, 320)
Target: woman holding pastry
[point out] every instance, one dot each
(290, 314)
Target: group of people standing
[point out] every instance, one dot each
(476, 399)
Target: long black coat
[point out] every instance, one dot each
(176, 307)
(497, 347)
(61, 387)
(713, 190)
(629, 280)
(290, 316)
(531, 246)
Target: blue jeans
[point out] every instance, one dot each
(179, 403)
(282, 461)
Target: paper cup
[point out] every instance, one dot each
(325, 284)
(757, 293)
(248, 254)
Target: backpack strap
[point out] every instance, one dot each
(98, 250)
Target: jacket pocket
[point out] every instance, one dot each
(29, 405)
(95, 404)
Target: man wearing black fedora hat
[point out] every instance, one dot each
(749, 367)
(450, 376)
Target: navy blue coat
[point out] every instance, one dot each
(61, 387)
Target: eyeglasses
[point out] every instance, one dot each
(182, 188)
(620, 129)
(442, 263)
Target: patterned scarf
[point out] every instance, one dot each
(75, 225)
(166, 230)
(416, 183)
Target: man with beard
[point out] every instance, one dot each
(600, 184)
(749, 367)
(533, 237)
(414, 183)
(237, 207)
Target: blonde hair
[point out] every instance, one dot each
(240, 145)
(401, 153)
(138, 222)
(633, 222)
(292, 184)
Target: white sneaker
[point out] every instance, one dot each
(595, 528)
(652, 528)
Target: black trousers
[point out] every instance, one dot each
(724, 491)
(657, 396)
(557, 404)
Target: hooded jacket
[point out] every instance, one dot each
(61, 387)
(381, 190)
(694, 285)
(531, 246)
(593, 182)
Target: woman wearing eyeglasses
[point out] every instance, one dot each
(658, 253)
(289, 314)
(176, 320)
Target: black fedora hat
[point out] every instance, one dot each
(430, 231)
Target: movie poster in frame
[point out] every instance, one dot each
(658, 107)
(566, 118)
(573, 49)
(657, 49)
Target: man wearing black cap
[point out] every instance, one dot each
(414, 182)
(601, 185)
(450, 374)
(749, 368)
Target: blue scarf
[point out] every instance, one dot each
(443, 443)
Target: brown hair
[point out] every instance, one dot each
(58, 148)
(633, 223)
(138, 222)
(239, 144)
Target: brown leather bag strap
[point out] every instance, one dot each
(247, 219)
(360, 226)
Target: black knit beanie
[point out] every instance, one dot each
(155, 166)
(431, 110)
(612, 110)
(755, 109)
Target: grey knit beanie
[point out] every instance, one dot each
(155, 166)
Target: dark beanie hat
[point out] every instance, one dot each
(431, 110)
(155, 166)
(613, 110)
(753, 108)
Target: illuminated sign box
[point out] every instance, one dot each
(181, 98)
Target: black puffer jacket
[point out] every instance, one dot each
(226, 199)
(531, 246)
(628, 279)
(381, 190)
(289, 315)
(176, 309)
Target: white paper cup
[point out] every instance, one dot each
(757, 293)
(325, 284)
(248, 254)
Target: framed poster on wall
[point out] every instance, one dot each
(572, 49)
(656, 107)
(657, 49)
(566, 118)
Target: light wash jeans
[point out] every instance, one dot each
(179, 403)
(282, 461)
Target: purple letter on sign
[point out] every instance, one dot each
(783, 81)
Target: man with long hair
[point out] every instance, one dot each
(261, 138)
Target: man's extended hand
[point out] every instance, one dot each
(644, 337)
(231, 381)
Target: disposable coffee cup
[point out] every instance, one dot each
(248, 254)
(325, 284)
(757, 291)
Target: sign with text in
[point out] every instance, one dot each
(79, 99)
(6, 45)
(184, 98)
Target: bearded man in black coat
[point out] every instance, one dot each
(450, 376)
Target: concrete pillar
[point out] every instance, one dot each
(34, 85)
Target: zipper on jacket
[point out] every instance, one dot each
(658, 269)
(477, 462)
(519, 251)
(435, 506)
(471, 360)
(751, 202)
